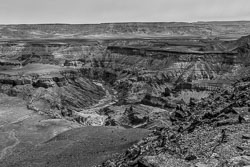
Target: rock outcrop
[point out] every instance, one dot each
(210, 132)
(55, 94)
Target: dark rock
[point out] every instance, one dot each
(106, 111)
(110, 122)
(193, 101)
(246, 137)
(144, 163)
(133, 153)
(167, 92)
(190, 158)
(135, 118)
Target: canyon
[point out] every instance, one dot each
(125, 94)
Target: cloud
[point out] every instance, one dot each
(96, 11)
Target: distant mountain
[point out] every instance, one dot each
(158, 29)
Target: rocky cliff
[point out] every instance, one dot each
(58, 94)
(211, 132)
(135, 68)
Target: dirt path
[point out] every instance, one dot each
(8, 150)
(18, 120)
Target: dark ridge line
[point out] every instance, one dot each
(174, 51)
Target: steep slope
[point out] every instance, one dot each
(211, 132)
(21, 128)
(51, 90)
(84, 147)
(135, 68)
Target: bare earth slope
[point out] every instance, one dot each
(21, 128)
(79, 147)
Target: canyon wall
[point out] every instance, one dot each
(139, 70)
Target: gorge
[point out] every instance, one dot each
(125, 94)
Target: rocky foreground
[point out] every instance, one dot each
(212, 132)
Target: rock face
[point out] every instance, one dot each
(214, 133)
(55, 94)
(140, 74)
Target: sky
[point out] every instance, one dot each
(103, 11)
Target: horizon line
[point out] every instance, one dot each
(122, 22)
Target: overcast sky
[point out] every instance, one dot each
(100, 11)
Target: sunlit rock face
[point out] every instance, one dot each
(135, 67)
(202, 70)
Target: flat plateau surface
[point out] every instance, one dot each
(33, 68)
